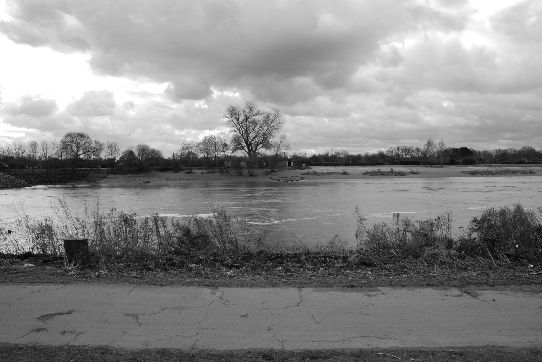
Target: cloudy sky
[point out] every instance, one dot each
(359, 75)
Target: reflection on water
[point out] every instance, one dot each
(309, 211)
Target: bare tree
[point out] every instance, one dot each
(112, 150)
(441, 147)
(187, 151)
(17, 150)
(97, 149)
(147, 155)
(212, 146)
(33, 151)
(430, 150)
(56, 150)
(280, 146)
(253, 129)
(45, 150)
(76, 145)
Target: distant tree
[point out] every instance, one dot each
(187, 153)
(111, 150)
(441, 148)
(45, 150)
(128, 159)
(33, 151)
(143, 151)
(280, 145)
(45, 153)
(76, 146)
(211, 147)
(97, 149)
(147, 155)
(252, 129)
(17, 150)
(430, 150)
(56, 150)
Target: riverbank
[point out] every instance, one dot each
(17, 178)
(11, 182)
(503, 247)
(30, 177)
(282, 270)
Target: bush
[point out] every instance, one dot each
(505, 233)
(405, 238)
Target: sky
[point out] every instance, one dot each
(360, 75)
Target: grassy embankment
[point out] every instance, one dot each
(501, 246)
(71, 353)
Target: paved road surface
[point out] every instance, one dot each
(240, 318)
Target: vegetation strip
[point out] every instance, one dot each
(10, 352)
(502, 247)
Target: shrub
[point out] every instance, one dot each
(504, 233)
(405, 238)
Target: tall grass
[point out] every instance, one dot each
(117, 238)
(404, 238)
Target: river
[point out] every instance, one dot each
(307, 212)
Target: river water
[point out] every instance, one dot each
(307, 212)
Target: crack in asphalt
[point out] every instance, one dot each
(73, 332)
(135, 317)
(193, 346)
(110, 306)
(344, 339)
(33, 331)
(281, 341)
(47, 317)
(299, 302)
(472, 293)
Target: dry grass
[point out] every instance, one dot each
(120, 240)
(117, 238)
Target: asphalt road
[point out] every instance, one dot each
(244, 318)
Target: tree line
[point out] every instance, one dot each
(253, 131)
(432, 153)
(254, 137)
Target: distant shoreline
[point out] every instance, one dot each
(164, 178)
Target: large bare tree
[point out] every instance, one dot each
(76, 145)
(253, 129)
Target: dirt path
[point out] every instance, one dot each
(281, 318)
